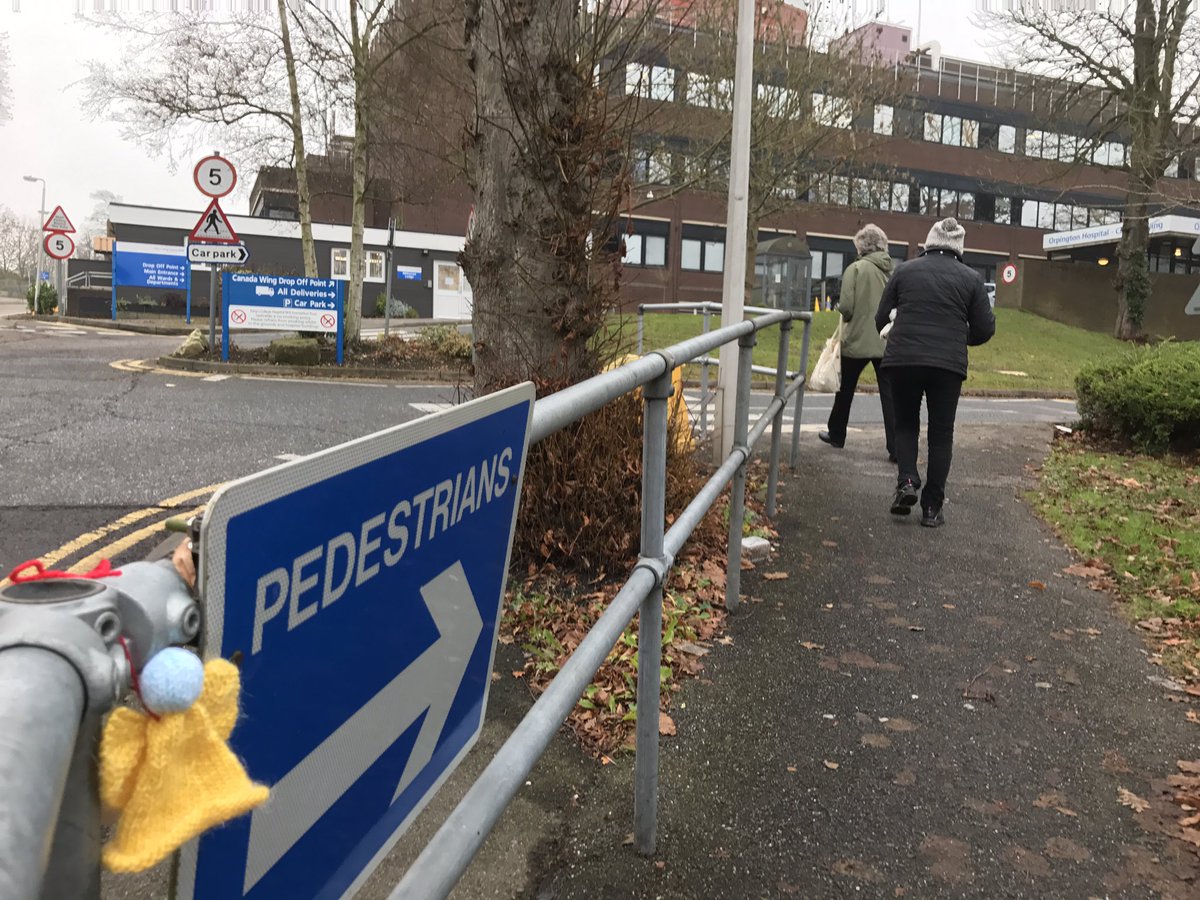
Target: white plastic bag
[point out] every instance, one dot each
(827, 374)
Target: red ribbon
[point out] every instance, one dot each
(41, 573)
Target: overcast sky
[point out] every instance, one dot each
(51, 137)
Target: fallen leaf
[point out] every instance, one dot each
(1190, 821)
(1051, 800)
(1084, 571)
(876, 740)
(1038, 585)
(1132, 800)
(915, 628)
(1066, 812)
(725, 641)
(661, 864)
(830, 544)
(809, 645)
(1130, 483)
(1189, 768)
(949, 606)
(1193, 716)
(791, 768)
(830, 765)
(628, 842)
(520, 673)
(666, 725)
(693, 649)
(1191, 835)
(605, 760)
(899, 725)
(776, 576)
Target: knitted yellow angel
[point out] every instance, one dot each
(169, 771)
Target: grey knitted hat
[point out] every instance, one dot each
(947, 234)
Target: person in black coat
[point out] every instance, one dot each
(941, 308)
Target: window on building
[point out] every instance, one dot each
(839, 190)
(1003, 213)
(1029, 214)
(340, 263)
(832, 112)
(1172, 170)
(952, 130)
(702, 249)
(1045, 216)
(705, 90)
(647, 245)
(966, 205)
(884, 119)
(651, 165)
(1079, 217)
(654, 82)
(834, 264)
(375, 266)
(1008, 139)
(900, 194)
(780, 102)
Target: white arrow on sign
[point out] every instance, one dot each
(217, 253)
(305, 794)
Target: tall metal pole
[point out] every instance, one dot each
(213, 269)
(389, 275)
(733, 290)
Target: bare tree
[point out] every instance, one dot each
(812, 120)
(189, 79)
(20, 239)
(354, 44)
(96, 224)
(1128, 72)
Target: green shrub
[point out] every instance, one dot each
(47, 298)
(400, 309)
(1149, 396)
(445, 340)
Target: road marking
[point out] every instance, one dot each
(130, 540)
(216, 378)
(429, 408)
(83, 541)
(290, 457)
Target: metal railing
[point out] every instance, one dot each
(68, 648)
(705, 309)
(446, 857)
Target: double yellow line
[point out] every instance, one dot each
(177, 505)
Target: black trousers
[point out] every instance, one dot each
(839, 416)
(941, 389)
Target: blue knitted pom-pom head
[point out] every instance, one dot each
(171, 681)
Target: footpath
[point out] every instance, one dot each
(907, 714)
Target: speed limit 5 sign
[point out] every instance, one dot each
(215, 176)
(59, 246)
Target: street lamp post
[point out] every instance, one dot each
(37, 276)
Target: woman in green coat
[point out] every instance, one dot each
(862, 286)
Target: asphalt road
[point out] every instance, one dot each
(83, 443)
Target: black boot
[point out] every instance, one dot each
(828, 439)
(931, 517)
(905, 499)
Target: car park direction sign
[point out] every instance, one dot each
(362, 586)
(222, 254)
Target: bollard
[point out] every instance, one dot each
(704, 397)
(737, 498)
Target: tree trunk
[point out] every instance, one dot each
(529, 261)
(1133, 276)
(303, 194)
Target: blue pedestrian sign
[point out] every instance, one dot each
(362, 586)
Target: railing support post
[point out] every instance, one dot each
(654, 490)
(800, 394)
(737, 498)
(704, 395)
(785, 334)
(641, 328)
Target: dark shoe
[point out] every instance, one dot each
(826, 438)
(905, 499)
(932, 517)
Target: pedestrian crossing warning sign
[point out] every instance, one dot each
(58, 222)
(214, 227)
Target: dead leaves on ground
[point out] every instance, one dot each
(1132, 800)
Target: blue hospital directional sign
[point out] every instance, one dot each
(362, 586)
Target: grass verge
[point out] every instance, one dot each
(1135, 521)
(1048, 354)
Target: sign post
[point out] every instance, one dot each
(58, 245)
(363, 587)
(387, 270)
(215, 177)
